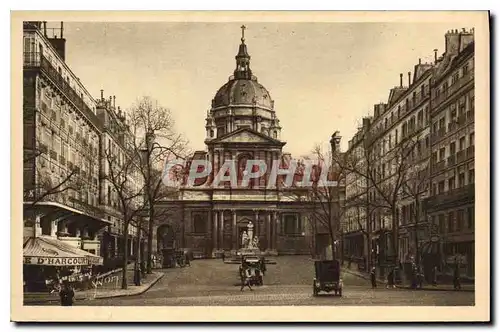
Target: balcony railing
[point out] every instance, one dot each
(68, 91)
(460, 156)
(53, 155)
(31, 59)
(462, 81)
(465, 193)
(439, 166)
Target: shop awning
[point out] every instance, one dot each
(44, 250)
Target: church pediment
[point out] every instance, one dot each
(246, 135)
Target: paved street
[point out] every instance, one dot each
(289, 282)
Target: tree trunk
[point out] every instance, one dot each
(150, 237)
(137, 270)
(334, 251)
(125, 256)
(417, 216)
(395, 234)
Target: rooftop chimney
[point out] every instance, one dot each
(419, 61)
(45, 28)
(435, 55)
(102, 95)
(114, 101)
(409, 78)
(401, 80)
(59, 43)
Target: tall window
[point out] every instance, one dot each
(452, 148)
(441, 187)
(451, 183)
(292, 224)
(471, 176)
(200, 222)
(470, 217)
(451, 217)
(461, 143)
(460, 219)
(461, 180)
(471, 139)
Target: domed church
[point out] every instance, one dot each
(241, 125)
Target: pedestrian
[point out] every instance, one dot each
(456, 277)
(186, 257)
(245, 275)
(420, 277)
(434, 276)
(373, 277)
(390, 279)
(66, 294)
(263, 267)
(349, 262)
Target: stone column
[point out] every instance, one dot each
(275, 230)
(235, 231)
(221, 229)
(268, 231)
(256, 223)
(214, 215)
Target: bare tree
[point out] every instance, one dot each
(386, 171)
(158, 143)
(326, 201)
(123, 175)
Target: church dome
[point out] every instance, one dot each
(242, 92)
(242, 88)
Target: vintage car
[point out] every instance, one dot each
(257, 269)
(327, 277)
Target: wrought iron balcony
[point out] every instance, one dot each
(462, 81)
(438, 166)
(450, 198)
(37, 60)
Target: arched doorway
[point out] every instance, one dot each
(165, 237)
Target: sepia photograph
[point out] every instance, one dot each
(252, 163)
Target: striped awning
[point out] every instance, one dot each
(44, 250)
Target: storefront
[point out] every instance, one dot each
(48, 261)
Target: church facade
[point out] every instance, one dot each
(241, 125)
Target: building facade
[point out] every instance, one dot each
(451, 202)
(65, 133)
(424, 133)
(61, 145)
(241, 125)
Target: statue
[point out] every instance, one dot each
(244, 239)
(255, 242)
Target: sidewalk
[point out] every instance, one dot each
(105, 290)
(439, 287)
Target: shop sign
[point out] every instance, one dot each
(56, 261)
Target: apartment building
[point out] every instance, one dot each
(117, 146)
(355, 226)
(61, 144)
(451, 201)
(66, 132)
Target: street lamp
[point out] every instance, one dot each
(335, 146)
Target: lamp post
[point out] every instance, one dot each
(335, 146)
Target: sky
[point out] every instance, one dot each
(323, 77)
